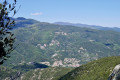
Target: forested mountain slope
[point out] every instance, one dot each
(59, 45)
(51, 73)
(95, 70)
(8, 73)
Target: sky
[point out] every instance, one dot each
(93, 12)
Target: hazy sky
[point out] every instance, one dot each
(95, 12)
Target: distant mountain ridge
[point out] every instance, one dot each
(88, 26)
(32, 21)
(21, 20)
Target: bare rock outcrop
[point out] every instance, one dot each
(115, 75)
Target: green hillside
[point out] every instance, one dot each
(51, 73)
(68, 46)
(6, 73)
(95, 70)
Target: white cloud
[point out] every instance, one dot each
(36, 14)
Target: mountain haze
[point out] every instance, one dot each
(88, 26)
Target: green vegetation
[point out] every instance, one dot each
(46, 74)
(95, 70)
(6, 72)
(39, 41)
